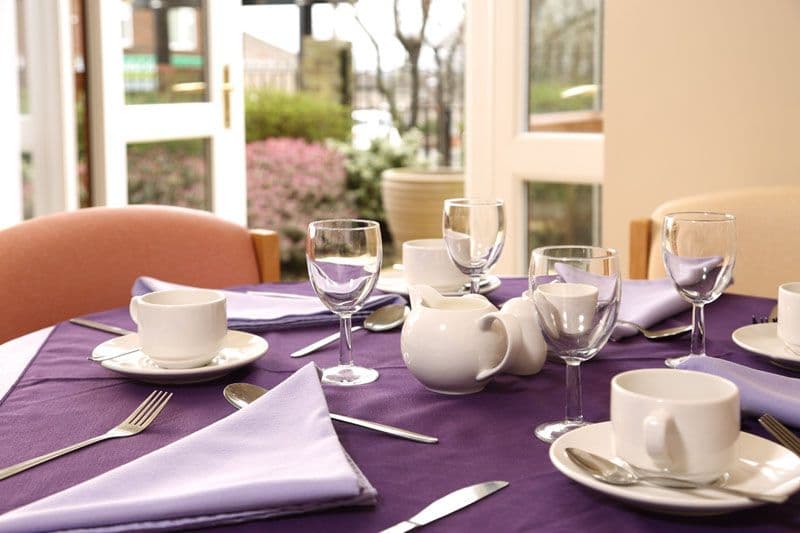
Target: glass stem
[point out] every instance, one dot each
(698, 330)
(475, 284)
(574, 409)
(345, 340)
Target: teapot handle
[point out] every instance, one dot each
(513, 335)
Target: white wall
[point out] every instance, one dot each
(698, 96)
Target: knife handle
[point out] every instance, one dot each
(383, 428)
(402, 527)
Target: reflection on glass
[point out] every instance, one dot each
(170, 173)
(22, 59)
(164, 46)
(563, 213)
(565, 68)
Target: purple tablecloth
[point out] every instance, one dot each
(62, 398)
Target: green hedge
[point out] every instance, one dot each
(272, 113)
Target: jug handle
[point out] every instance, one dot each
(513, 335)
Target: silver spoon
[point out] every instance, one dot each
(241, 394)
(655, 334)
(382, 319)
(604, 470)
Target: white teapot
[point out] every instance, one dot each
(454, 345)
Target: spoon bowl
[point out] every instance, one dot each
(386, 317)
(609, 472)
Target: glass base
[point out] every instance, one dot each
(673, 362)
(348, 375)
(550, 431)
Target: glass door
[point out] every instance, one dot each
(534, 130)
(167, 105)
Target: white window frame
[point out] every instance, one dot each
(501, 155)
(115, 124)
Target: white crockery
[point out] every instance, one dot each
(679, 422)
(763, 339)
(454, 345)
(237, 349)
(180, 328)
(789, 315)
(572, 304)
(426, 262)
(761, 466)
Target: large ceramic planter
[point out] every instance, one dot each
(413, 200)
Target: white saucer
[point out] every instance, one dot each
(396, 283)
(762, 467)
(238, 349)
(763, 339)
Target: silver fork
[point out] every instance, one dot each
(781, 433)
(137, 422)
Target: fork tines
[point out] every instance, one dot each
(781, 433)
(149, 409)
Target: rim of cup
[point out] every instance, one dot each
(598, 252)
(792, 286)
(700, 216)
(352, 224)
(461, 202)
(210, 296)
(725, 388)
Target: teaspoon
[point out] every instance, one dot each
(606, 471)
(242, 394)
(382, 319)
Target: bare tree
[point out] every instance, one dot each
(445, 53)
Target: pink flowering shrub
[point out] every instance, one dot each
(290, 183)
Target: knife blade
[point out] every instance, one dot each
(324, 341)
(455, 501)
(100, 326)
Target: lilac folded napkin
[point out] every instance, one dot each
(280, 455)
(256, 313)
(760, 392)
(647, 302)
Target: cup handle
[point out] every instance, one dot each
(133, 309)
(513, 334)
(655, 427)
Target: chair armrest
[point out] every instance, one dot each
(268, 254)
(639, 248)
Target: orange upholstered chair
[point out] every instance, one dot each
(58, 266)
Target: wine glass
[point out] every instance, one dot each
(699, 252)
(474, 231)
(576, 292)
(344, 259)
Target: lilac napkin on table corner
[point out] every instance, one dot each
(760, 392)
(256, 314)
(278, 456)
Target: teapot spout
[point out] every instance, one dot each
(424, 295)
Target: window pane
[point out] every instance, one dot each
(170, 173)
(22, 61)
(27, 185)
(565, 68)
(164, 46)
(563, 213)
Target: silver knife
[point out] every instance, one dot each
(455, 501)
(100, 326)
(314, 346)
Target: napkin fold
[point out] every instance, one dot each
(760, 392)
(647, 302)
(280, 455)
(256, 313)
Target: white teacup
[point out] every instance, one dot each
(789, 315)
(426, 262)
(566, 307)
(180, 328)
(679, 422)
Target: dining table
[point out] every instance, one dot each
(56, 396)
